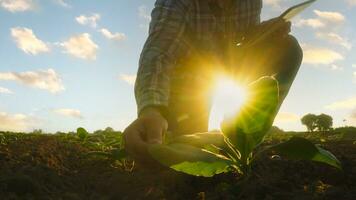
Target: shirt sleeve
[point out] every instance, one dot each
(160, 53)
(256, 11)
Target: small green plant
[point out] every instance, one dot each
(2, 139)
(82, 134)
(238, 146)
(108, 145)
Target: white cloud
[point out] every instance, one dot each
(323, 56)
(17, 5)
(112, 36)
(322, 19)
(27, 41)
(88, 20)
(272, 2)
(285, 117)
(62, 3)
(5, 91)
(333, 17)
(143, 13)
(43, 79)
(69, 113)
(314, 23)
(335, 39)
(128, 78)
(352, 117)
(15, 123)
(351, 2)
(343, 104)
(276, 4)
(336, 67)
(81, 46)
(144, 27)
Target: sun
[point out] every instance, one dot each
(228, 97)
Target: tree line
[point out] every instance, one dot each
(322, 122)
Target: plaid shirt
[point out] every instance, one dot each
(179, 27)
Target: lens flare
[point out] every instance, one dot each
(228, 97)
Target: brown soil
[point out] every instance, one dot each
(45, 167)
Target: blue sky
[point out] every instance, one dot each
(66, 63)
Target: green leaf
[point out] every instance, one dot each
(82, 133)
(257, 114)
(247, 129)
(201, 168)
(189, 159)
(302, 149)
(327, 157)
(201, 140)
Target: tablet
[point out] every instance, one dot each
(295, 10)
(287, 16)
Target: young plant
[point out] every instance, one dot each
(109, 145)
(236, 148)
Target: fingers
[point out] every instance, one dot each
(155, 125)
(154, 136)
(141, 133)
(155, 131)
(286, 28)
(289, 25)
(137, 148)
(283, 30)
(134, 143)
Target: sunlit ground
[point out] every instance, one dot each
(228, 97)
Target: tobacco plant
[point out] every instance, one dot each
(237, 146)
(107, 145)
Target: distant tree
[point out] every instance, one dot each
(98, 131)
(324, 122)
(310, 121)
(37, 131)
(109, 130)
(82, 133)
(276, 129)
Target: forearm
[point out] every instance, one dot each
(152, 84)
(163, 47)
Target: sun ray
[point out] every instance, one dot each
(228, 97)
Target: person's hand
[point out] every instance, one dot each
(147, 129)
(282, 29)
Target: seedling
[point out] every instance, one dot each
(238, 145)
(109, 146)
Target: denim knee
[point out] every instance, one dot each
(293, 49)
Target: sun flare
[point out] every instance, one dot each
(228, 97)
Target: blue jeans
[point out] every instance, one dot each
(189, 106)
